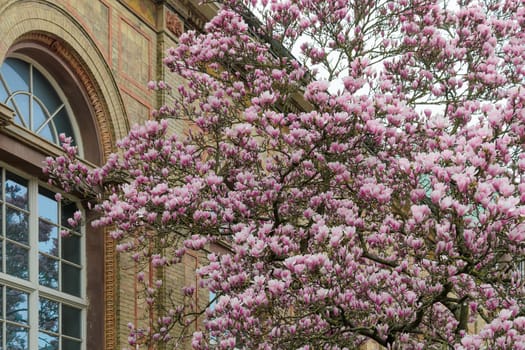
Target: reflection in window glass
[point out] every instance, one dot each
(48, 271)
(30, 223)
(17, 260)
(48, 315)
(17, 226)
(17, 338)
(47, 341)
(47, 205)
(16, 191)
(47, 238)
(17, 307)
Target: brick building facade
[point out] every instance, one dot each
(96, 57)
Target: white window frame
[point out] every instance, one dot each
(32, 286)
(61, 95)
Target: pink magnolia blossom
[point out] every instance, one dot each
(369, 188)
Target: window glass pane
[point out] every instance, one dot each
(20, 120)
(39, 115)
(17, 307)
(47, 238)
(22, 103)
(48, 134)
(48, 271)
(36, 105)
(3, 93)
(17, 338)
(70, 279)
(45, 92)
(17, 225)
(71, 248)
(62, 123)
(213, 302)
(17, 260)
(71, 321)
(16, 190)
(2, 234)
(1, 304)
(47, 205)
(48, 315)
(47, 341)
(68, 209)
(68, 344)
(16, 74)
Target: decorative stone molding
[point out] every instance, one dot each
(6, 116)
(174, 24)
(110, 294)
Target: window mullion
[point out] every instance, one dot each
(2, 213)
(83, 283)
(4, 331)
(33, 263)
(10, 98)
(49, 120)
(31, 126)
(40, 87)
(33, 320)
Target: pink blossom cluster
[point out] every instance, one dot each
(369, 189)
(506, 331)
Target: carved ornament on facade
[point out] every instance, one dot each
(174, 24)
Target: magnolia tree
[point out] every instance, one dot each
(368, 186)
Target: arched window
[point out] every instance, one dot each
(42, 272)
(37, 104)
